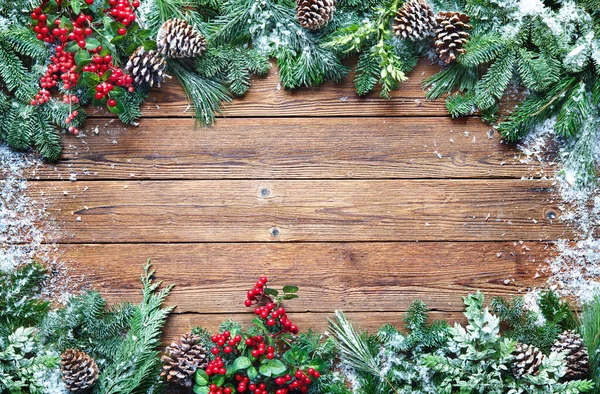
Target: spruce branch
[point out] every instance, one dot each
(136, 363)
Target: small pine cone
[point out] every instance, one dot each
(176, 39)
(415, 20)
(577, 359)
(79, 371)
(528, 360)
(314, 14)
(147, 68)
(451, 35)
(182, 359)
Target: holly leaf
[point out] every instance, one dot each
(241, 362)
(82, 58)
(201, 390)
(117, 109)
(290, 296)
(272, 292)
(219, 381)
(144, 33)
(117, 92)
(88, 79)
(66, 23)
(201, 377)
(76, 6)
(273, 368)
(290, 289)
(252, 373)
(71, 46)
(91, 43)
(149, 45)
(317, 364)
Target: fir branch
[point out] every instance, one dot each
(590, 331)
(132, 106)
(20, 304)
(206, 94)
(354, 351)
(136, 363)
(482, 49)
(367, 73)
(455, 77)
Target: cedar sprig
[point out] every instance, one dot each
(20, 299)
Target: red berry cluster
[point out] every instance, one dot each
(122, 11)
(273, 316)
(225, 343)
(259, 348)
(244, 384)
(216, 367)
(72, 115)
(213, 388)
(300, 384)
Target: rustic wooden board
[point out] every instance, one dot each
(376, 277)
(266, 98)
(286, 148)
(177, 324)
(316, 210)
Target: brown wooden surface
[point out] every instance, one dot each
(364, 203)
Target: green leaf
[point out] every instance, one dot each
(219, 381)
(82, 57)
(91, 43)
(290, 296)
(252, 373)
(76, 6)
(265, 370)
(149, 45)
(117, 39)
(290, 289)
(277, 367)
(144, 34)
(118, 108)
(201, 377)
(317, 364)
(89, 79)
(241, 362)
(117, 92)
(66, 23)
(201, 390)
(272, 292)
(71, 46)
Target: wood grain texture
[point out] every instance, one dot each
(272, 148)
(266, 98)
(178, 324)
(266, 210)
(376, 277)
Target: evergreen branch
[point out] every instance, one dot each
(455, 77)
(367, 73)
(495, 81)
(20, 305)
(461, 105)
(574, 112)
(206, 94)
(535, 109)
(24, 42)
(354, 351)
(482, 49)
(537, 71)
(590, 331)
(136, 366)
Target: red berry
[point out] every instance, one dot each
(112, 103)
(89, 2)
(99, 95)
(122, 31)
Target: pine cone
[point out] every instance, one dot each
(577, 359)
(451, 35)
(79, 371)
(314, 14)
(182, 359)
(528, 360)
(415, 20)
(147, 68)
(176, 38)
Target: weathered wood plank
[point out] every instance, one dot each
(318, 210)
(266, 98)
(289, 148)
(177, 324)
(375, 277)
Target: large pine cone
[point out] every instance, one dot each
(577, 359)
(415, 20)
(182, 359)
(147, 68)
(528, 360)
(176, 39)
(79, 371)
(314, 14)
(451, 35)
